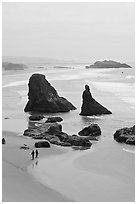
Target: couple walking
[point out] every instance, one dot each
(33, 154)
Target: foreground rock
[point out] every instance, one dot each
(36, 117)
(52, 132)
(125, 135)
(108, 64)
(54, 119)
(3, 141)
(44, 98)
(42, 144)
(92, 131)
(90, 106)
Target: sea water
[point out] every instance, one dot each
(97, 174)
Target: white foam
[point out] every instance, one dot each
(130, 77)
(17, 83)
(123, 90)
(129, 150)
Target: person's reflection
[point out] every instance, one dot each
(34, 164)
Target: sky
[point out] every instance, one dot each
(81, 32)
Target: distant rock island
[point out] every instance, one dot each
(90, 106)
(44, 98)
(108, 64)
(11, 66)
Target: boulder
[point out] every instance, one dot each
(125, 135)
(44, 98)
(90, 106)
(54, 119)
(92, 130)
(45, 128)
(55, 128)
(75, 140)
(36, 117)
(3, 141)
(42, 144)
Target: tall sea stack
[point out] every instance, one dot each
(90, 106)
(44, 98)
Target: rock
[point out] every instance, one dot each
(53, 129)
(3, 141)
(36, 117)
(45, 128)
(92, 130)
(54, 119)
(75, 140)
(44, 98)
(90, 106)
(24, 147)
(62, 136)
(42, 144)
(80, 148)
(108, 64)
(125, 135)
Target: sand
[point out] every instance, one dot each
(17, 184)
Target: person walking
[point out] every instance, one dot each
(37, 153)
(32, 154)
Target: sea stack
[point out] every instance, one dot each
(44, 98)
(90, 106)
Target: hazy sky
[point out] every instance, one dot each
(71, 31)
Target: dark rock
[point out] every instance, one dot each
(131, 141)
(36, 117)
(55, 128)
(80, 148)
(92, 138)
(54, 119)
(44, 98)
(125, 135)
(24, 147)
(42, 144)
(108, 64)
(75, 140)
(6, 118)
(92, 130)
(3, 141)
(62, 136)
(47, 128)
(90, 106)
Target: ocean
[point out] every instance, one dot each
(96, 174)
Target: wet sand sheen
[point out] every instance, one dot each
(88, 176)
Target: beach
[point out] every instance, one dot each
(105, 172)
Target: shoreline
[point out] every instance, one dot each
(73, 175)
(15, 162)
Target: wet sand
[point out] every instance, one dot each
(17, 184)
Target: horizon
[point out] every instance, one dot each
(80, 32)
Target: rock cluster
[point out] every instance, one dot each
(125, 135)
(52, 132)
(90, 106)
(44, 98)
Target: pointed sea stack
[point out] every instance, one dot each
(44, 98)
(90, 106)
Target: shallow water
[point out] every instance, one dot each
(111, 162)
